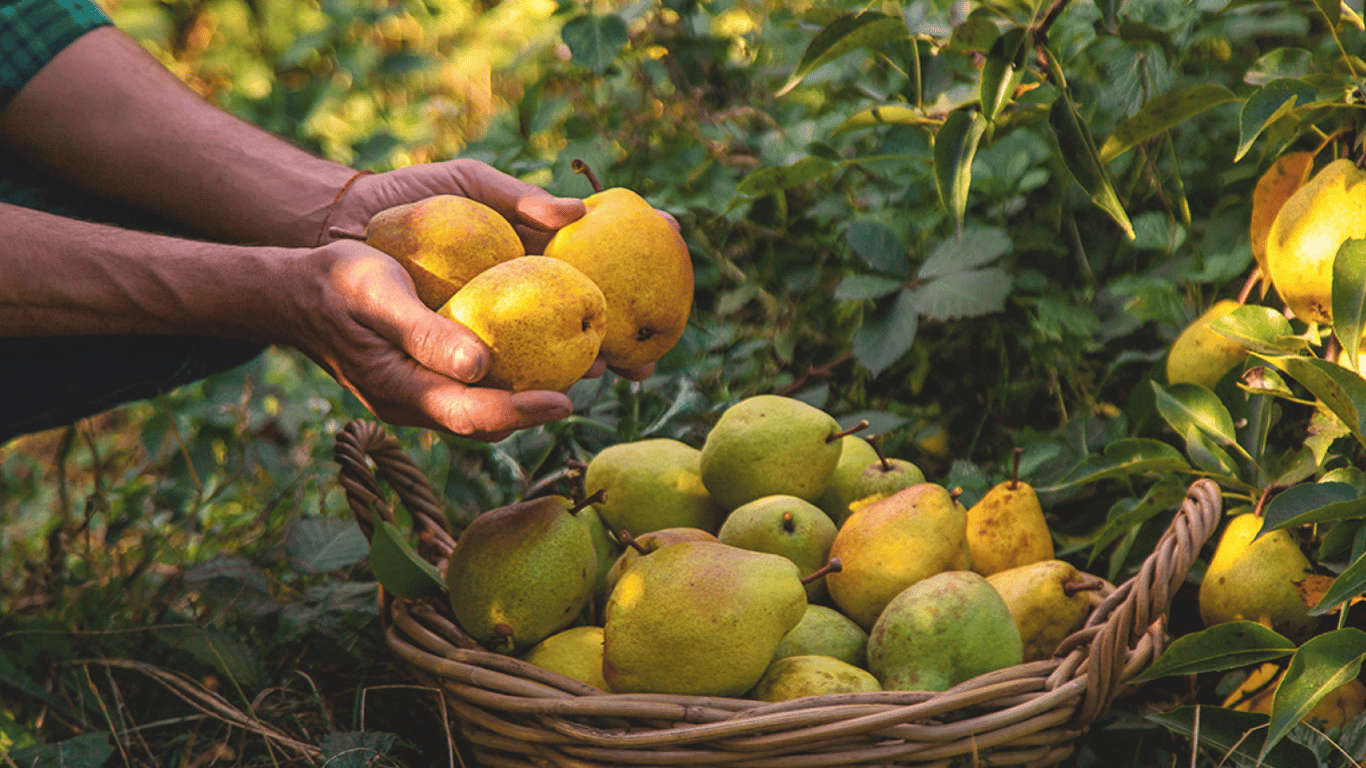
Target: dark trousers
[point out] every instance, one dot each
(52, 381)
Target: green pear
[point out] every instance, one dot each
(941, 631)
(645, 544)
(769, 444)
(1049, 600)
(542, 320)
(856, 454)
(793, 677)
(824, 631)
(521, 573)
(891, 544)
(1201, 355)
(608, 549)
(644, 269)
(1006, 528)
(787, 526)
(886, 476)
(1256, 579)
(699, 618)
(650, 485)
(575, 653)
(443, 242)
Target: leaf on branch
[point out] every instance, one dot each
(846, 33)
(955, 145)
(969, 293)
(1079, 154)
(595, 41)
(1161, 113)
(1270, 103)
(975, 247)
(887, 334)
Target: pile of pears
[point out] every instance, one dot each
(785, 557)
(617, 282)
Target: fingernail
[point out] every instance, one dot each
(468, 364)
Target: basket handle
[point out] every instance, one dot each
(361, 440)
(1125, 632)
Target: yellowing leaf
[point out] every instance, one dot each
(1280, 181)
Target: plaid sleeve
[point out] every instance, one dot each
(34, 31)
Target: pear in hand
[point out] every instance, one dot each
(941, 631)
(1257, 580)
(650, 485)
(826, 632)
(575, 653)
(769, 444)
(699, 618)
(787, 526)
(443, 242)
(1007, 529)
(893, 543)
(856, 454)
(642, 266)
(793, 677)
(542, 319)
(1049, 600)
(521, 573)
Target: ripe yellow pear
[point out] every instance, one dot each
(1202, 356)
(443, 242)
(793, 677)
(575, 653)
(542, 319)
(1048, 600)
(652, 484)
(642, 266)
(1306, 234)
(1257, 693)
(1006, 528)
(1256, 580)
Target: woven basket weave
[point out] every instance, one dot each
(516, 714)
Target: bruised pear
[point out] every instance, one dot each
(1255, 579)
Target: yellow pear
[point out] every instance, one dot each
(1202, 356)
(443, 242)
(542, 319)
(642, 266)
(1048, 601)
(1306, 234)
(1256, 580)
(575, 653)
(1256, 694)
(890, 544)
(1006, 528)
(793, 677)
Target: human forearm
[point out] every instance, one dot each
(105, 116)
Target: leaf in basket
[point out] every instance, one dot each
(1230, 732)
(1313, 503)
(1229, 645)
(319, 544)
(397, 565)
(1320, 665)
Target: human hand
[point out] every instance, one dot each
(354, 312)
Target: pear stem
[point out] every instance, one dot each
(1252, 281)
(859, 427)
(876, 442)
(575, 472)
(1265, 496)
(1015, 471)
(599, 496)
(1082, 583)
(630, 541)
(579, 166)
(834, 566)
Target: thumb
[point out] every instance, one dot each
(440, 344)
(539, 208)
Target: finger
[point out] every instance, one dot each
(595, 370)
(438, 343)
(518, 201)
(640, 373)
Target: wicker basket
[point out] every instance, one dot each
(515, 714)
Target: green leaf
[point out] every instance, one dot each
(595, 41)
(1229, 645)
(955, 144)
(1271, 102)
(1349, 298)
(226, 653)
(1079, 154)
(1313, 503)
(878, 246)
(1161, 113)
(1128, 456)
(1341, 391)
(1184, 406)
(1322, 664)
(766, 181)
(1230, 732)
(864, 287)
(973, 248)
(1332, 11)
(397, 565)
(887, 335)
(846, 33)
(1260, 329)
(1280, 63)
(1348, 584)
(885, 114)
(320, 544)
(963, 294)
(1127, 515)
(89, 750)
(1002, 70)
(1206, 454)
